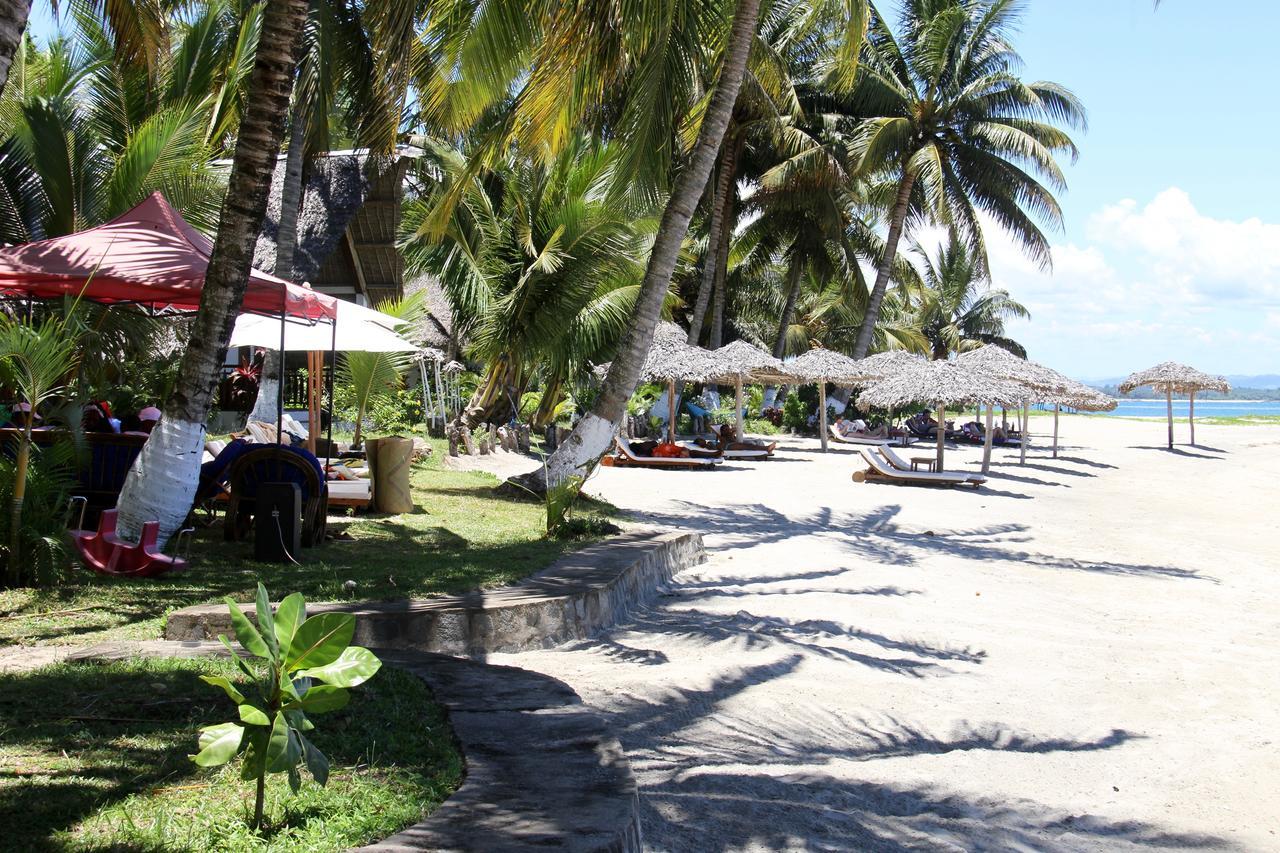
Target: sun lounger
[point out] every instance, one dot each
(858, 439)
(753, 454)
(879, 470)
(903, 465)
(626, 458)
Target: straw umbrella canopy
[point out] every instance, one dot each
(1037, 379)
(1171, 377)
(672, 360)
(882, 365)
(943, 383)
(821, 366)
(741, 361)
(1074, 395)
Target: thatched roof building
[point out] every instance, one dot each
(347, 227)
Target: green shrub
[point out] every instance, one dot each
(795, 414)
(760, 426)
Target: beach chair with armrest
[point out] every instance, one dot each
(276, 463)
(880, 471)
(874, 441)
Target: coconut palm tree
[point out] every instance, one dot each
(951, 131)
(13, 22)
(536, 264)
(374, 375)
(163, 479)
(955, 306)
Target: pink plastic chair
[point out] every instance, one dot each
(102, 551)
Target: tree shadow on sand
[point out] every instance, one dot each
(877, 537)
(1178, 451)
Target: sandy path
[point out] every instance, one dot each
(1085, 656)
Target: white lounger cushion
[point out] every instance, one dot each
(902, 465)
(883, 468)
(857, 439)
(681, 461)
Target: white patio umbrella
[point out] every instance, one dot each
(821, 366)
(942, 383)
(1170, 377)
(356, 329)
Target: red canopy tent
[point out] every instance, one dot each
(149, 256)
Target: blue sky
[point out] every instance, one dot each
(1172, 242)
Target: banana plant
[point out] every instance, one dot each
(309, 666)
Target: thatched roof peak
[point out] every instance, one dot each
(946, 383)
(1002, 364)
(824, 365)
(1169, 376)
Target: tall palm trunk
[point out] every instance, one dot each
(722, 272)
(795, 272)
(266, 407)
(711, 264)
(551, 397)
(897, 218)
(13, 23)
(163, 479)
(578, 454)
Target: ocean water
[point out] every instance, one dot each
(1204, 408)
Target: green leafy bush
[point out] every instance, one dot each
(42, 535)
(310, 665)
(795, 413)
(760, 426)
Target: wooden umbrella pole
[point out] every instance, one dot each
(1056, 408)
(671, 412)
(822, 414)
(1026, 435)
(986, 440)
(1191, 418)
(942, 433)
(737, 400)
(1168, 397)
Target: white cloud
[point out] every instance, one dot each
(1151, 282)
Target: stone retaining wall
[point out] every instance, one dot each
(577, 597)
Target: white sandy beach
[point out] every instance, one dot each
(1084, 655)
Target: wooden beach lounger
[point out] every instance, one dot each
(755, 454)
(626, 458)
(855, 439)
(880, 470)
(903, 465)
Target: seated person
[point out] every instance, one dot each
(21, 416)
(725, 433)
(94, 419)
(699, 415)
(143, 422)
(859, 428)
(214, 474)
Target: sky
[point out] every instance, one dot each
(1171, 246)
(1171, 249)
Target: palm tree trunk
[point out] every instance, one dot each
(716, 340)
(164, 477)
(492, 400)
(578, 454)
(13, 23)
(551, 397)
(711, 261)
(266, 407)
(898, 217)
(794, 273)
(15, 506)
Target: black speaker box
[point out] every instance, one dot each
(277, 526)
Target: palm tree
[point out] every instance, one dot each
(950, 130)
(540, 264)
(13, 22)
(372, 375)
(163, 479)
(36, 362)
(956, 308)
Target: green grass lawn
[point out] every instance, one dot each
(94, 757)
(461, 535)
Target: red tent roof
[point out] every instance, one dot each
(149, 256)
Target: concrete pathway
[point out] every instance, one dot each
(1083, 656)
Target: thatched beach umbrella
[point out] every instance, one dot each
(1170, 377)
(1037, 379)
(672, 360)
(1078, 396)
(943, 383)
(822, 366)
(742, 361)
(889, 363)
